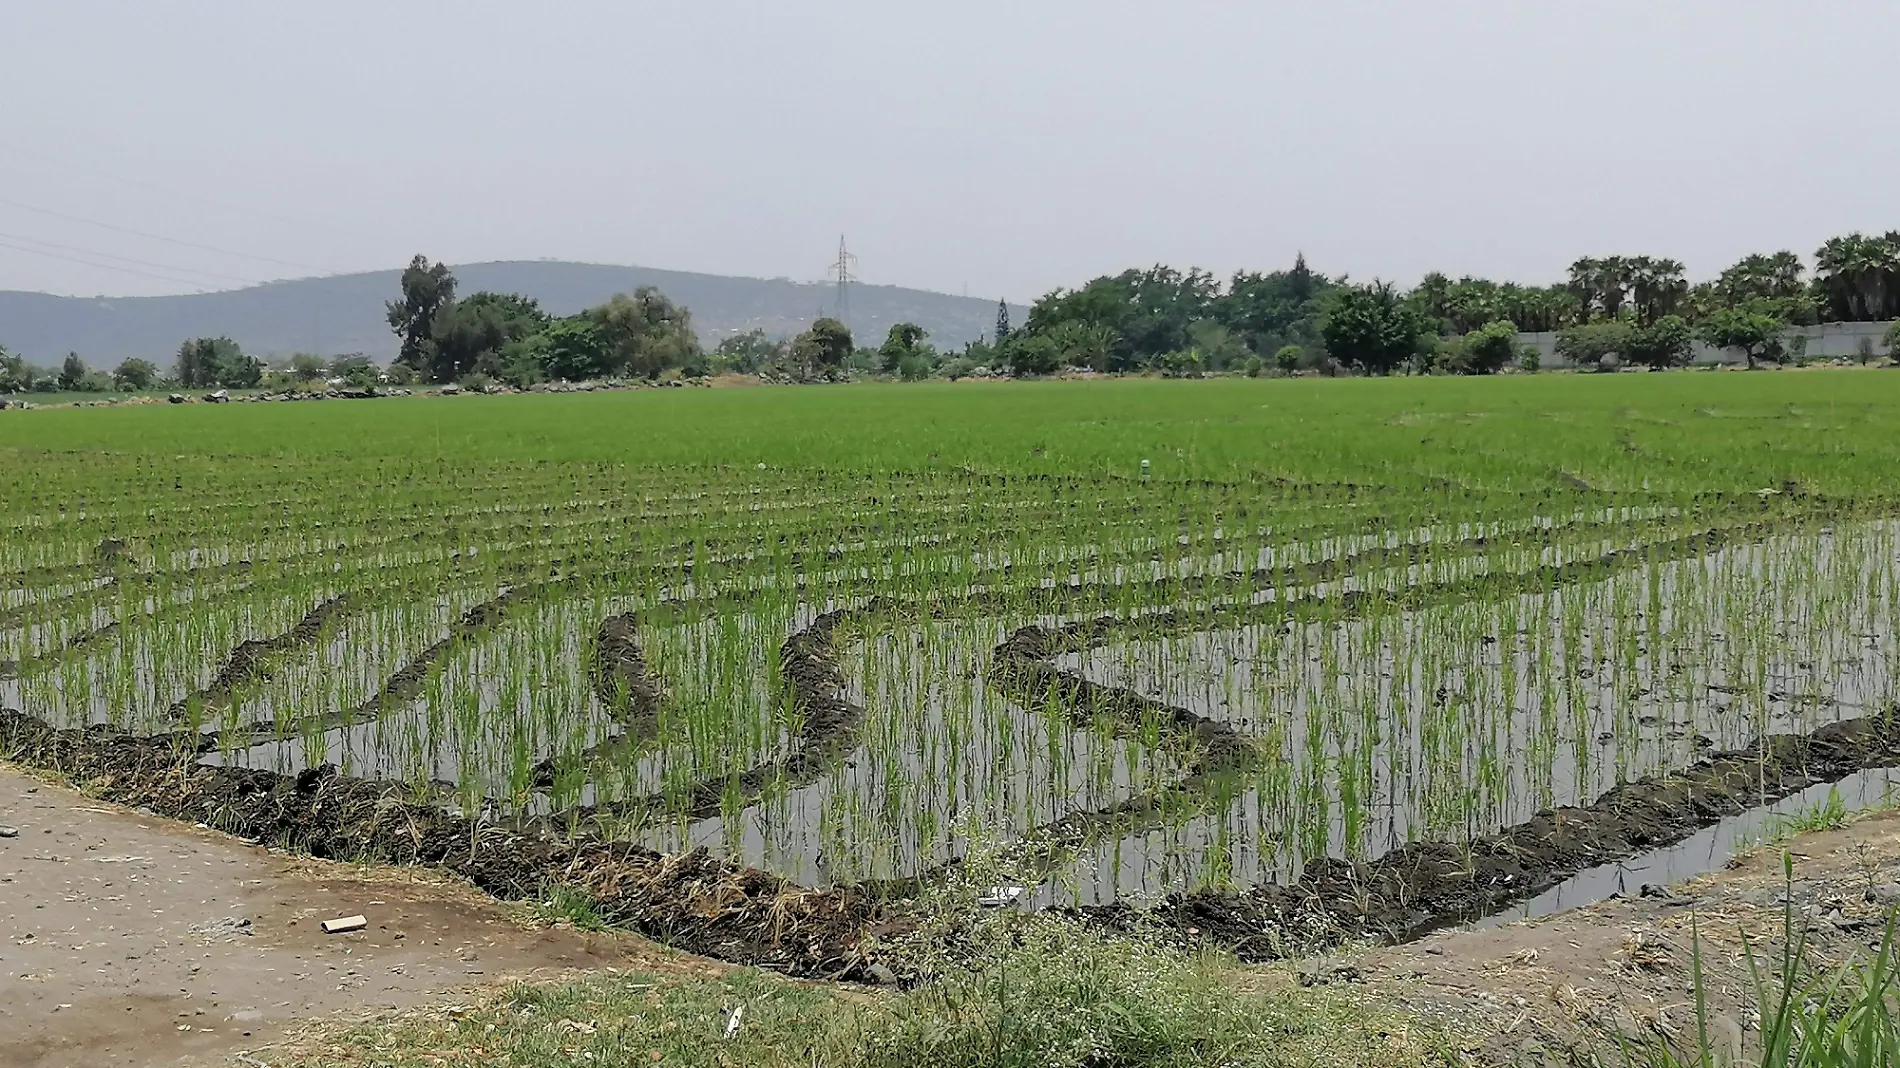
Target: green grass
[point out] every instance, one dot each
(1675, 432)
(1053, 997)
(1829, 815)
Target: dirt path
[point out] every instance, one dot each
(1526, 990)
(130, 940)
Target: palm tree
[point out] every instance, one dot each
(1656, 287)
(1884, 251)
(1855, 272)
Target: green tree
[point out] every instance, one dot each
(903, 342)
(573, 348)
(308, 367)
(467, 336)
(1372, 328)
(1892, 340)
(15, 375)
(1756, 335)
(1288, 358)
(1857, 277)
(1488, 349)
(351, 365)
(822, 349)
(1596, 346)
(1002, 322)
(1032, 354)
(747, 353)
(426, 289)
(1269, 311)
(1146, 312)
(135, 374)
(1084, 344)
(71, 371)
(646, 333)
(1663, 343)
(213, 362)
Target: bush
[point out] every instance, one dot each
(1031, 354)
(1892, 341)
(1049, 994)
(1488, 349)
(1183, 364)
(1289, 358)
(958, 367)
(1597, 346)
(1253, 367)
(1529, 359)
(1663, 343)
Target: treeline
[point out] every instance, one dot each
(1609, 311)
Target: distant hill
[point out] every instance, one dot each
(344, 313)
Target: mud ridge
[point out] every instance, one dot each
(692, 901)
(408, 680)
(1426, 885)
(1023, 670)
(624, 686)
(249, 662)
(826, 732)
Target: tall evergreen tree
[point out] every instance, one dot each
(1002, 322)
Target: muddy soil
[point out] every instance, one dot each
(131, 940)
(1528, 993)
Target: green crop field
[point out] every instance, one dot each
(1137, 637)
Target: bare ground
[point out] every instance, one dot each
(1529, 992)
(130, 940)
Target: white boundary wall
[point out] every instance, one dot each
(1825, 340)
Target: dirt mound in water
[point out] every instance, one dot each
(1427, 885)
(692, 901)
(249, 662)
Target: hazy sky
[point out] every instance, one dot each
(1000, 147)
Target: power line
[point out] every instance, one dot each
(160, 237)
(128, 259)
(199, 286)
(71, 167)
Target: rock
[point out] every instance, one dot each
(222, 396)
(998, 896)
(9, 832)
(881, 975)
(176, 398)
(344, 924)
(1326, 974)
(1884, 894)
(1656, 892)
